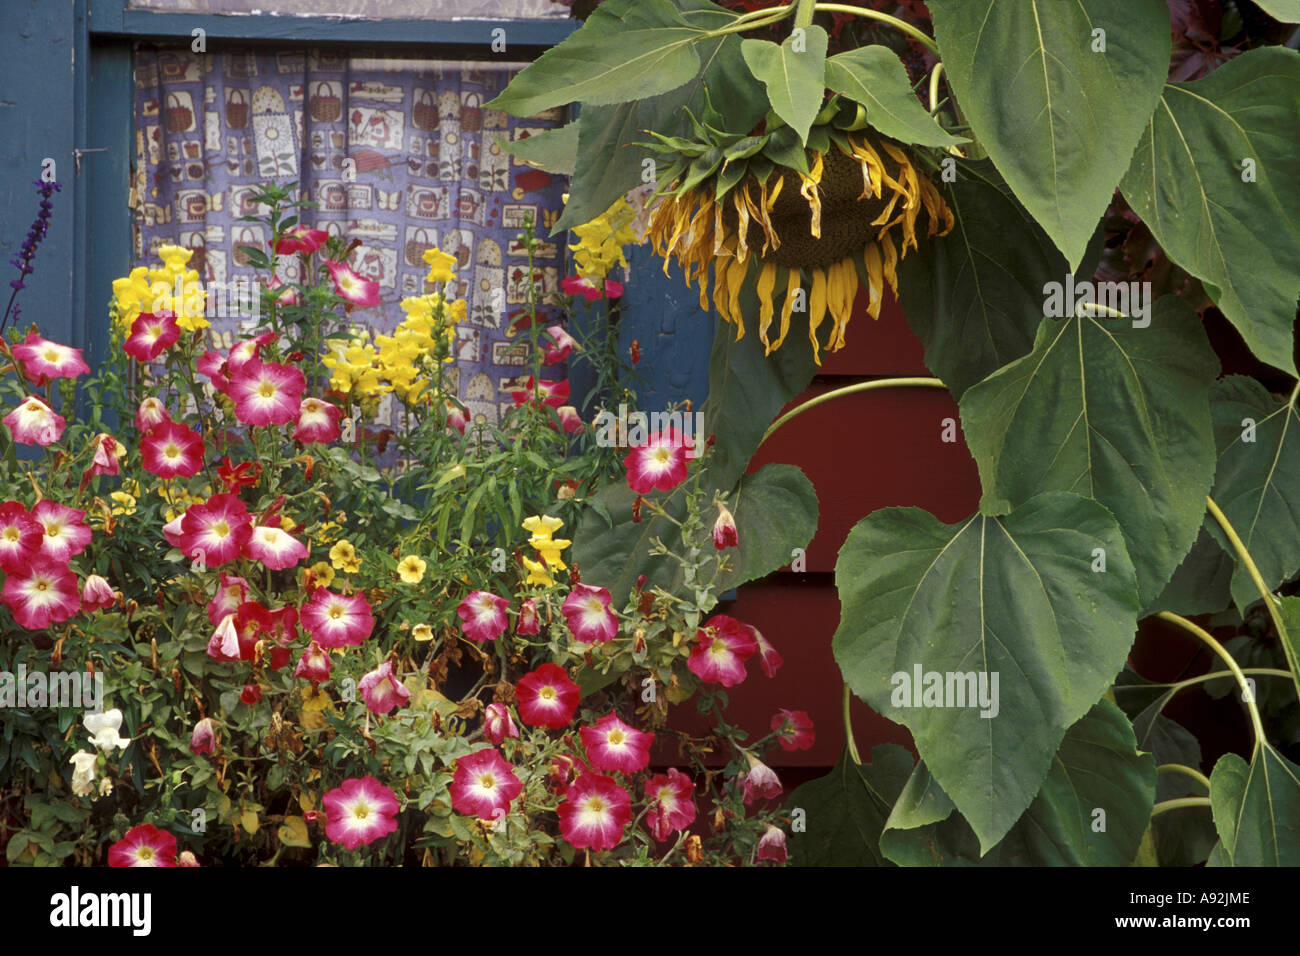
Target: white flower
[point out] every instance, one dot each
(105, 786)
(103, 730)
(83, 774)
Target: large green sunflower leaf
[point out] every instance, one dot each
(1058, 106)
(793, 73)
(1257, 808)
(876, 78)
(1109, 411)
(555, 150)
(1013, 598)
(1231, 225)
(1098, 767)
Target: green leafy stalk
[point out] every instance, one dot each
(1247, 697)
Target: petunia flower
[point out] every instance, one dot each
(203, 740)
(300, 239)
(267, 393)
(588, 289)
(484, 785)
(35, 423)
(318, 421)
(104, 730)
(381, 690)
(794, 729)
(498, 724)
(245, 351)
(528, 622)
(106, 458)
(570, 420)
(43, 360)
(97, 593)
(360, 811)
(337, 621)
(290, 294)
(314, 665)
(251, 694)
(554, 394)
(274, 548)
(767, 654)
(671, 805)
(659, 464)
(411, 569)
(722, 645)
(144, 845)
(231, 592)
(483, 616)
(172, 450)
(357, 290)
(456, 417)
(150, 413)
(217, 529)
(562, 347)
(152, 333)
(214, 367)
(724, 529)
(761, 782)
(234, 477)
(594, 812)
(21, 536)
(43, 593)
(588, 614)
(613, 745)
(223, 645)
(771, 845)
(546, 697)
(65, 532)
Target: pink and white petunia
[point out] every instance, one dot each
(300, 239)
(232, 591)
(245, 351)
(152, 333)
(360, 811)
(794, 729)
(314, 665)
(172, 530)
(106, 458)
(21, 536)
(267, 393)
(724, 529)
(722, 645)
(771, 845)
(546, 697)
(381, 690)
(594, 812)
(337, 621)
(172, 450)
(554, 394)
(356, 289)
(217, 529)
(35, 423)
(498, 724)
(456, 417)
(580, 285)
(150, 413)
(613, 745)
(66, 533)
(562, 347)
(484, 785)
(318, 421)
(290, 294)
(97, 593)
(761, 782)
(483, 616)
(529, 623)
(671, 805)
(223, 645)
(203, 740)
(588, 614)
(144, 845)
(767, 654)
(659, 464)
(43, 359)
(570, 420)
(44, 592)
(213, 365)
(275, 548)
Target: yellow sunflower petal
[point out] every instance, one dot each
(791, 290)
(735, 278)
(891, 262)
(742, 221)
(876, 279)
(766, 284)
(816, 309)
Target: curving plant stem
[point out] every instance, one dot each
(848, 390)
(868, 14)
(1186, 771)
(1247, 697)
(848, 728)
(1166, 805)
(1252, 569)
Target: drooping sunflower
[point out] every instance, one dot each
(810, 237)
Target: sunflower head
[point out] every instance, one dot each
(808, 237)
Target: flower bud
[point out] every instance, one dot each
(724, 529)
(204, 738)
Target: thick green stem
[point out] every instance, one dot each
(1166, 805)
(901, 25)
(1247, 696)
(935, 75)
(847, 390)
(848, 728)
(1186, 771)
(804, 14)
(1270, 602)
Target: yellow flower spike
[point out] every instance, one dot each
(440, 264)
(816, 309)
(766, 283)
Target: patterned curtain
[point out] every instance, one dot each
(400, 154)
